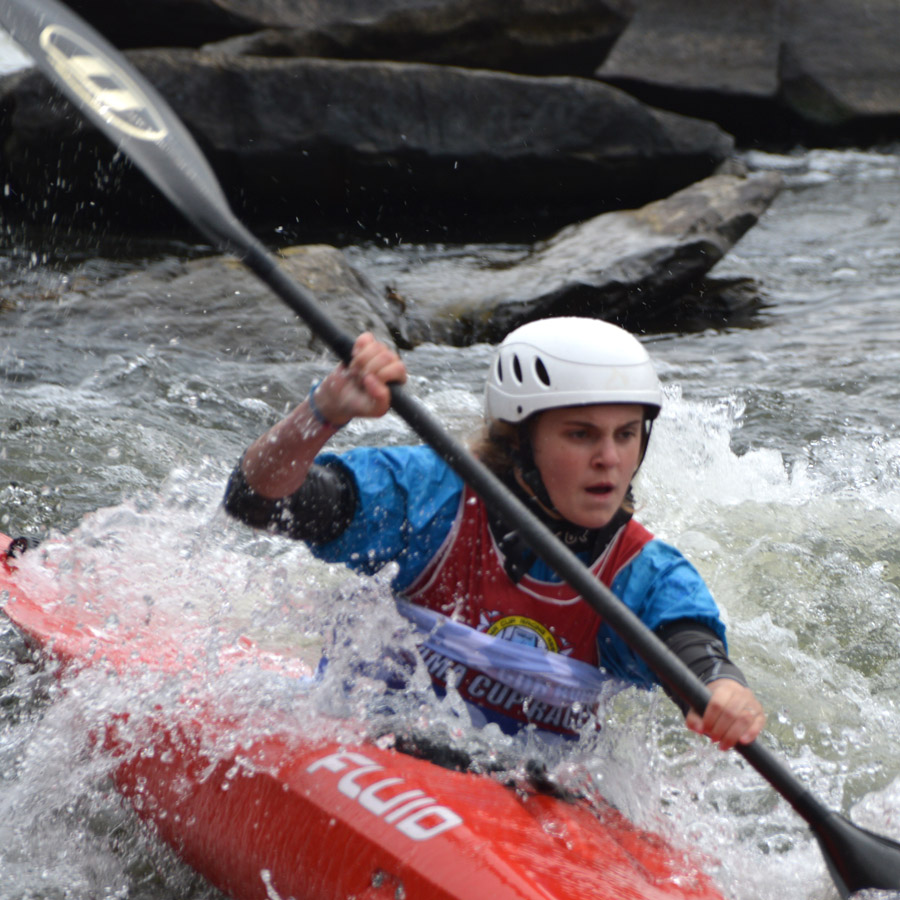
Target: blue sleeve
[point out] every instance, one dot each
(658, 586)
(408, 498)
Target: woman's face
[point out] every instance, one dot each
(587, 456)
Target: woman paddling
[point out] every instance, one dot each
(569, 406)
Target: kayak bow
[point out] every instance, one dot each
(290, 813)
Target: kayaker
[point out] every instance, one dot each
(569, 407)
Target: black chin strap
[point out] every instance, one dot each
(523, 457)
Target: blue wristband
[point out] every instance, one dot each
(317, 413)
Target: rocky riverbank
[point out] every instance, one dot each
(646, 269)
(448, 120)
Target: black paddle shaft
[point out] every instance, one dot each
(120, 102)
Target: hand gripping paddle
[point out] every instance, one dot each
(118, 100)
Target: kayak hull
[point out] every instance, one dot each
(289, 815)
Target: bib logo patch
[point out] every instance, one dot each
(522, 630)
(101, 84)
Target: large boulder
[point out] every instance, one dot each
(719, 59)
(767, 69)
(560, 37)
(538, 37)
(398, 148)
(639, 268)
(840, 64)
(205, 291)
(352, 301)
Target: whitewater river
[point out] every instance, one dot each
(775, 466)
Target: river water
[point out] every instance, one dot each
(775, 467)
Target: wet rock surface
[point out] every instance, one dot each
(451, 121)
(398, 149)
(643, 269)
(769, 71)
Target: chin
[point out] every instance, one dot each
(593, 521)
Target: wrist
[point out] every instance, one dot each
(317, 412)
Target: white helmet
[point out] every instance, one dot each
(568, 361)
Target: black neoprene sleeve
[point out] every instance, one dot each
(317, 512)
(701, 650)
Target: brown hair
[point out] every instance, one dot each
(497, 446)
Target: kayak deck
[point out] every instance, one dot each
(286, 814)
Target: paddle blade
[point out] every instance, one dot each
(858, 859)
(106, 89)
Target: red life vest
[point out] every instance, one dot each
(466, 581)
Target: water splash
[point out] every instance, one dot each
(799, 558)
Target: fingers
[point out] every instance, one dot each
(733, 715)
(360, 388)
(374, 366)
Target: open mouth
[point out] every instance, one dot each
(600, 489)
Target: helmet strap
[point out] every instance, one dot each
(648, 428)
(518, 557)
(528, 471)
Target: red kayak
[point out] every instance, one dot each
(314, 818)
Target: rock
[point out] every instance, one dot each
(636, 268)
(397, 148)
(716, 303)
(538, 37)
(351, 299)
(561, 37)
(767, 69)
(206, 289)
(840, 63)
(179, 23)
(718, 59)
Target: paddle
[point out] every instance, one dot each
(120, 102)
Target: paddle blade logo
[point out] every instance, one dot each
(100, 84)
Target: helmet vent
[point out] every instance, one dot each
(499, 371)
(541, 372)
(517, 369)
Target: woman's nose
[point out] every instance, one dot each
(606, 453)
